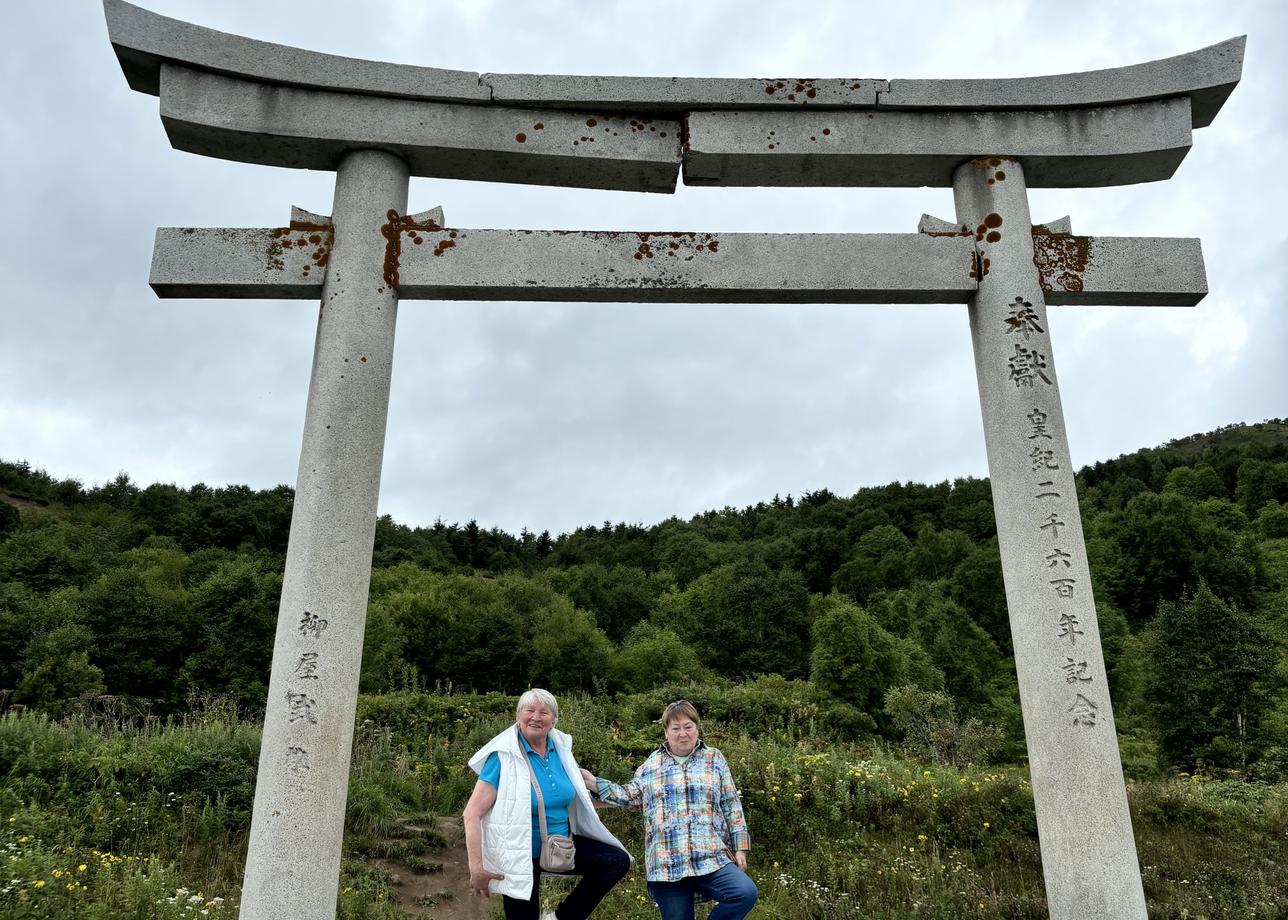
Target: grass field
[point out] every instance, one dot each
(102, 817)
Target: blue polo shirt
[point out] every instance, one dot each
(556, 789)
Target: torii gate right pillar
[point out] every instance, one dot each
(1084, 829)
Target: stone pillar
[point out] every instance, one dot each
(1084, 829)
(293, 864)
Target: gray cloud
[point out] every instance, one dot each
(555, 415)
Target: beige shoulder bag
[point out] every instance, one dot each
(558, 854)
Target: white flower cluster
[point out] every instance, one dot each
(193, 903)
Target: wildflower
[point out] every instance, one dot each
(39, 883)
(81, 868)
(986, 824)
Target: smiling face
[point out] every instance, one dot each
(681, 736)
(535, 721)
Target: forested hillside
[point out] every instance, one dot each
(153, 594)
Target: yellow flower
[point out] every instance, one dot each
(40, 883)
(986, 824)
(81, 868)
(58, 873)
(921, 836)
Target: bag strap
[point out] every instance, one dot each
(536, 786)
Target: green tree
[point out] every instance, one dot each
(568, 652)
(10, 519)
(879, 562)
(141, 633)
(50, 553)
(857, 661)
(619, 596)
(1198, 482)
(1210, 662)
(976, 585)
(57, 669)
(232, 626)
(744, 619)
(959, 648)
(687, 555)
(56, 665)
(653, 655)
(18, 623)
(936, 553)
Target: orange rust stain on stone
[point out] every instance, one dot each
(1061, 259)
(682, 245)
(301, 235)
(392, 230)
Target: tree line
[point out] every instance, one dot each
(152, 594)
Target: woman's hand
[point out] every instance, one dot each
(740, 859)
(479, 879)
(589, 778)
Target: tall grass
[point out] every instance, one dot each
(157, 815)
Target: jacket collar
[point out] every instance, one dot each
(665, 749)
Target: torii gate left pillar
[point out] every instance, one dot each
(300, 792)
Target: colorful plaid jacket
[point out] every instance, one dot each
(692, 816)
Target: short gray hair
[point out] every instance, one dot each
(537, 695)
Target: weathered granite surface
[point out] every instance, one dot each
(465, 264)
(1063, 148)
(255, 122)
(237, 98)
(1084, 829)
(1206, 77)
(298, 821)
(143, 40)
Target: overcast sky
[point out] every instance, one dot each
(558, 415)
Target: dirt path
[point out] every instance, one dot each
(443, 894)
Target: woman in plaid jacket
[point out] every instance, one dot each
(695, 835)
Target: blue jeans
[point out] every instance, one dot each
(731, 889)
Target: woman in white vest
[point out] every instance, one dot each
(502, 826)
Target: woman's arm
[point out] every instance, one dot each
(610, 793)
(481, 801)
(731, 808)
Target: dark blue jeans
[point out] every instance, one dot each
(734, 893)
(600, 865)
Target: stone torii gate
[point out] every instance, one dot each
(376, 124)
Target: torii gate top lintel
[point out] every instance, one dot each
(238, 98)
